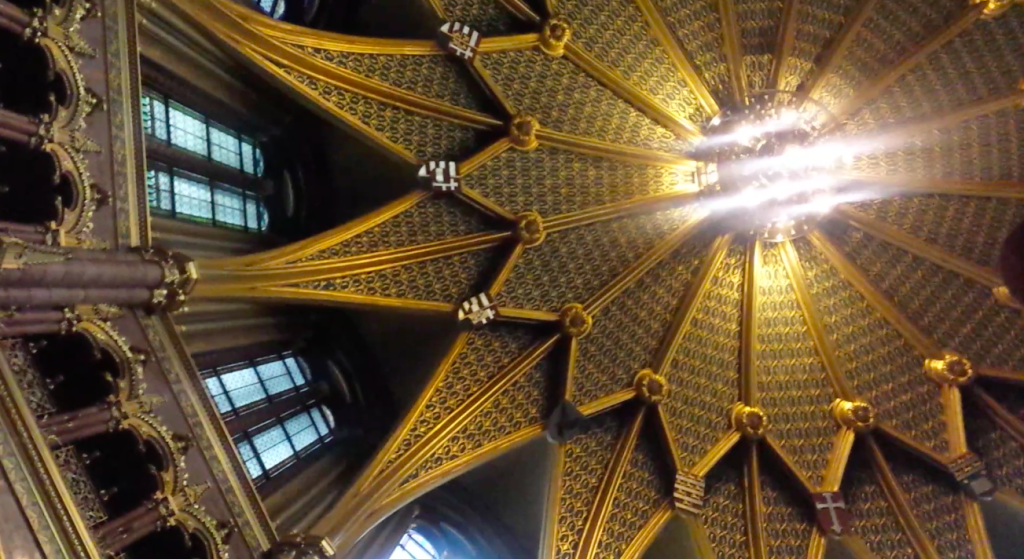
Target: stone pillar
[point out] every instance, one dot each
(40, 276)
(116, 535)
(66, 428)
(13, 19)
(32, 234)
(31, 323)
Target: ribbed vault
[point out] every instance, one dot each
(792, 368)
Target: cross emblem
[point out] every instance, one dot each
(442, 175)
(459, 39)
(831, 513)
(478, 310)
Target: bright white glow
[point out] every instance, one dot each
(782, 190)
(824, 204)
(787, 120)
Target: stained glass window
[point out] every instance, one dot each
(415, 545)
(193, 197)
(274, 445)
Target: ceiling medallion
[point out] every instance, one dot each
(650, 387)
(751, 422)
(952, 369)
(765, 166)
(859, 416)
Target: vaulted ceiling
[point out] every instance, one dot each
(752, 341)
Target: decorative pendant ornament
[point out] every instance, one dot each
(751, 422)
(478, 311)
(555, 35)
(576, 323)
(459, 39)
(443, 176)
(650, 387)
(859, 416)
(523, 132)
(830, 511)
(530, 229)
(953, 369)
(688, 495)
(564, 423)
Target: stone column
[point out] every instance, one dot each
(40, 276)
(31, 323)
(13, 19)
(18, 128)
(116, 535)
(66, 428)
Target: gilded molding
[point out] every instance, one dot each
(733, 44)
(918, 185)
(687, 71)
(614, 210)
(691, 302)
(784, 43)
(834, 54)
(748, 324)
(753, 504)
(614, 81)
(598, 148)
(549, 529)
(894, 494)
(860, 282)
(703, 467)
(922, 452)
(838, 459)
(648, 533)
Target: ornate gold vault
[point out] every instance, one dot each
(753, 374)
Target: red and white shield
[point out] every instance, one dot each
(830, 510)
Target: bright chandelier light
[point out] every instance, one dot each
(765, 169)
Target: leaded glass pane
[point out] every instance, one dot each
(301, 430)
(158, 190)
(147, 114)
(193, 198)
(275, 377)
(224, 147)
(243, 387)
(248, 163)
(273, 446)
(252, 464)
(252, 219)
(158, 112)
(223, 403)
(414, 546)
(296, 370)
(229, 206)
(188, 131)
(214, 387)
(318, 420)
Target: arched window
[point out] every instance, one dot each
(200, 170)
(273, 411)
(415, 545)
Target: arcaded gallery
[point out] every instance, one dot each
(511, 279)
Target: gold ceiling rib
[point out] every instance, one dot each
(784, 42)
(483, 77)
(549, 528)
(689, 73)
(834, 54)
(484, 156)
(867, 92)
(690, 225)
(649, 532)
(733, 44)
(347, 520)
(510, 314)
(572, 354)
(522, 10)
(949, 187)
(484, 205)
(923, 344)
(344, 299)
(1002, 375)
(1002, 417)
(506, 269)
(838, 459)
(894, 494)
(691, 302)
(748, 330)
(665, 431)
(614, 81)
(644, 204)
(753, 500)
(353, 265)
(509, 42)
(704, 466)
(923, 452)
(790, 467)
(907, 129)
(826, 351)
(630, 154)
(609, 487)
(983, 275)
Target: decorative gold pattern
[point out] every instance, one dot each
(553, 181)
(615, 33)
(698, 29)
(587, 456)
(953, 222)
(437, 76)
(722, 515)
(937, 504)
(474, 366)
(642, 491)
(785, 521)
(569, 254)
(628, 332)
(876, 521)
(487, 16)
(428, 221)
(794, 387)
(586, 109)
(423, 137)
